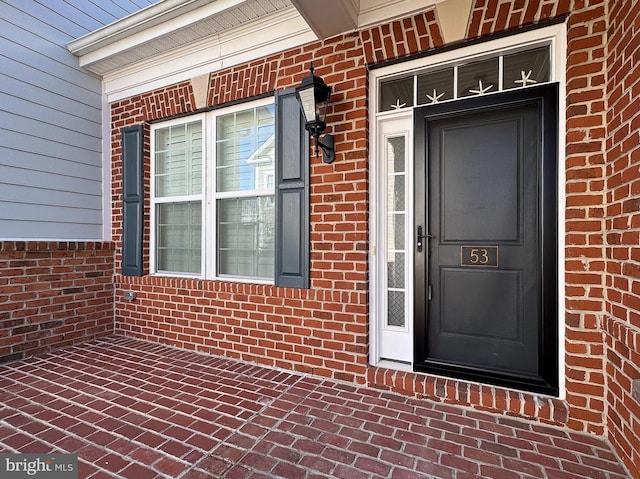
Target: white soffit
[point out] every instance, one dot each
(176, 40)
(164, 26)
(243, 44)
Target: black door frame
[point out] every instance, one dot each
(546, 98)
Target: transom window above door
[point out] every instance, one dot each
(463, 79)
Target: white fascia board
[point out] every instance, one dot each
(148, 24)
(281, 31)
(374, 12)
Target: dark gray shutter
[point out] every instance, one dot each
(292, 193)
(132, 200)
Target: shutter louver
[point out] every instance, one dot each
(132, 200)
(292, 193)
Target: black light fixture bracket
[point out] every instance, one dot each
(327, 143)
(328, 148)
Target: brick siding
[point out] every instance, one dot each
(324, 330)
(53, 294)
(622, 287)
(491, 16)
(584, 224)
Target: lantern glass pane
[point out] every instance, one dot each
(307, 100)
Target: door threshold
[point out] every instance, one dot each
(396, 365)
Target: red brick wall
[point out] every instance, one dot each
(584, 225)
(324, 330)
(401, 38)
(53, 295)
(622, 319)
(585, 197)
(491, 16)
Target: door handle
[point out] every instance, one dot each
(421, 237)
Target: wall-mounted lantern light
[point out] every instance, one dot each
(313, 94)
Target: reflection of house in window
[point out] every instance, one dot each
(262, 161)
(245, 207)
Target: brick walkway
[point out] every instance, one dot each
(138, 410)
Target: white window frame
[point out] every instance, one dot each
(555, 37)
(154, 201)
(209, 195)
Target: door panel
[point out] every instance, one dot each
(479, 198)
(474, 316)
(485, 295)
(479, 169)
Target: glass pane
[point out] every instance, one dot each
(179, 237)
(396, 182)
(246, 237)
(395, 231)
(396, 94)
(395, 193)
(163, 139)
(395, 308)
(245, 149)
(478, 78)
(526, 68)
(395, 176)
(178, 160)
(395, 270)
(436, 86)
(395, 154)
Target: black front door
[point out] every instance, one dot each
(486, 274)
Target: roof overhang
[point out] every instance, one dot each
(174, 40)
(168, 25)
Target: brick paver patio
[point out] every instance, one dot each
(132, 409)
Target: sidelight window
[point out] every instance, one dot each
(396, 226)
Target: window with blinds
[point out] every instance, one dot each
(178, 169)
(226, 229)
(245, 152)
